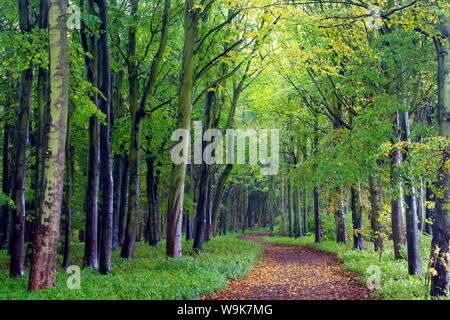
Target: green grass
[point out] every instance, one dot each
(149, 275)
(396, 283)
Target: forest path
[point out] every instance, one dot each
(294, 273)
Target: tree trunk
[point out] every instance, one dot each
(43, 100)
(440, 283)
(218, 195)
(317, 216)
(119, 164)
(68, 202)
(356, 203)
(43, 268)
(105, 146)
(90, 258)
(21, 156)
(305, 212)
(341, 230)
(4, 216)
(398, 228)
(135, 143)
(283, 199)
(421, 207)
(176, 190)
(375, 223)
(291, 212)
(123, 200)
(152, 193)
(429, 212)
(300, 214)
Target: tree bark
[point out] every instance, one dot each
(21, 156)
(412, 231)
(398, 228)
(43, 267)
(291, 212)
(119, 164)
(341, 229)
(375, 223)
(105, 146)
(176, 190)
(123, 200)
(152, 194)
(4, 217)
(356, 203)
(68, 202)
(440, 283)
(89, 44)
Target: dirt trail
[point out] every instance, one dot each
(294, 273)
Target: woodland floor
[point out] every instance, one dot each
(294, 273)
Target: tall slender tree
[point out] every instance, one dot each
(21, 154)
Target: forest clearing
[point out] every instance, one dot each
(216, 150)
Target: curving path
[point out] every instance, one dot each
(294, 273)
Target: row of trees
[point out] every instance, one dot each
(359, 90)
(124, 63)
(364, 124)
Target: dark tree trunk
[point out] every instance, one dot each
(123, 200)
(21, 156)
(119, 164)
(440, 283)
(91, 224)
(152, 195)
(317, 216)
(90, 258)
(105, 147)
(341, 230)
(4, 216)
(202, 207)
(305, 212)
(68, 204)
(42, 109)
(218, 195)
(375, 201)
(189, 236)
(291, 212)
(356, 203)
(209, 225)
(250, 210)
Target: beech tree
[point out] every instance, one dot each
(43, 267)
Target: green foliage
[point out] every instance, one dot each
(149, 275)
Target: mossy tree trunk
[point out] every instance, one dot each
(176, 189)
(43, 268)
